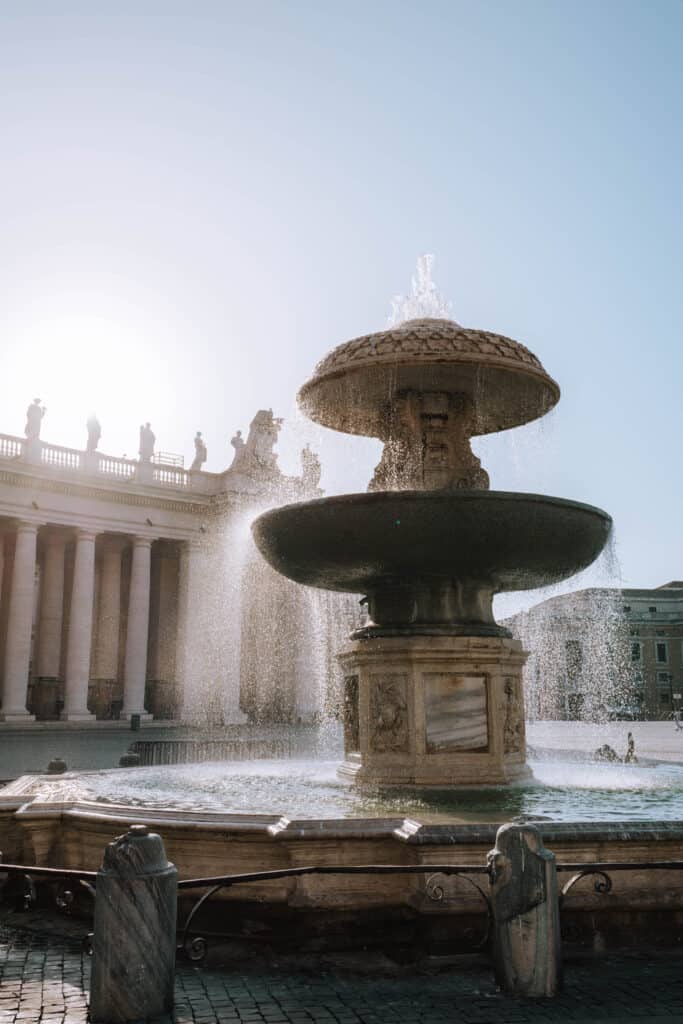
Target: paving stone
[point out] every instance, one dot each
(45, 982)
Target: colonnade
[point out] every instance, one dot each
(73, 628)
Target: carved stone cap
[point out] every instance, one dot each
(352, 386)
(138, 852)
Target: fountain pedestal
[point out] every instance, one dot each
(434, 710)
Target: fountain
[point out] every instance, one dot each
(432, 690)
(433, 710)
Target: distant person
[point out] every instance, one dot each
(676, 715)
(631, 750)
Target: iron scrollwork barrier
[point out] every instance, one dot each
(437, 893)
(602, 873)
(601, 885)
(68, 882)
(195, 947)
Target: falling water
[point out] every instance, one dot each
(424, 298)
(579, 663)
(260, 648)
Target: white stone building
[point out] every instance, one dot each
(126, 586)
(603, 653)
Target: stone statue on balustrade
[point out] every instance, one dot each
(94, 433)
(147, 439)
(238, 444)
(310, 470)
(34, 418)
(199, 452)
(255, 456)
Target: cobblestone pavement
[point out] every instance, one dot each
(44, 979)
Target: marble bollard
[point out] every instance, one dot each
(526, 913)
(134, 941)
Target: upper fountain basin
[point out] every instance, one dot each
(354, 385)
(359, 542)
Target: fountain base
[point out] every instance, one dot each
(440, 711)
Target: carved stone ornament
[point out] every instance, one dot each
(388, 714)
(512, 731)
(351, 718)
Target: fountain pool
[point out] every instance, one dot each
(561, 790)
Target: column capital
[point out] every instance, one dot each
(85, 533)
(142, 542)
(26, 526)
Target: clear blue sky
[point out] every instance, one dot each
(198, 200)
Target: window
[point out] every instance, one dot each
(573, 659)
(652, 608)
(635, 651)
(660, 632)
(634, 632)
(627, 608)
(661, 653)
(664, 687)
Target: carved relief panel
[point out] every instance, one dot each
(389, 713)
(513, 728)
(350, 716)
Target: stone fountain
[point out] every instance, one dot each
(433, 691)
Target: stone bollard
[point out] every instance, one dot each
(134, 940)
(57, 766)
(526, 913)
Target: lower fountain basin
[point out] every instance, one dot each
(432, 561)
(293, 789)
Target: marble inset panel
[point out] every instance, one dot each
(455, 712)
(389, 713)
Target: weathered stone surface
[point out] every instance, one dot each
(443, 714)
(134, 944)
(526, 915)
(355, 383)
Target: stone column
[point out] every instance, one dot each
(79, 640)
(50, 629)
(163, 629)
(19, 626)
(2, 580)
(135, 669)
(106, 666)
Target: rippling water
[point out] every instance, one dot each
(563, 791)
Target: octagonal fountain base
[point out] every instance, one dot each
(438, 711)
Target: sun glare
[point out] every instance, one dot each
(78, 365)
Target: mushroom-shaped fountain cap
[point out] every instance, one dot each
(354, 385)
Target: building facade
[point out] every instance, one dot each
(604, 653)
(125, 584)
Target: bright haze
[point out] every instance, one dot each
(198, 200)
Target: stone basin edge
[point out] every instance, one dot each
(18, 802)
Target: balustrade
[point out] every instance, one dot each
(165, 472)
(10, 447)
(110, 465)
(171, 477)
(64, 458)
